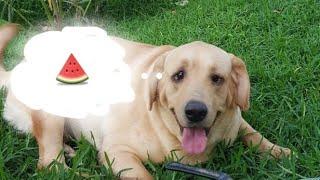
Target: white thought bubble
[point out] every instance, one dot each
(34, 82)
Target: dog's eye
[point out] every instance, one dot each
(177, 77)
(217, 80)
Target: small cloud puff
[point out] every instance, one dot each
(34, 82)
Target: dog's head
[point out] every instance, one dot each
(199, 81)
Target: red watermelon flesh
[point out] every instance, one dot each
(72, 72)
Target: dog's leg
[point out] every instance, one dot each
(126, 161)
(252, 137)
(48, 131)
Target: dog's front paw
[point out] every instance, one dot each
(280, 152)
(129, 178)
(136, 177)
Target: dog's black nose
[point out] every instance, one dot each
(196, 111)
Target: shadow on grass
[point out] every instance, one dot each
(32, 12)
(129, 9)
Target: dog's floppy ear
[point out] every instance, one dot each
(153, 79)
(241, 83)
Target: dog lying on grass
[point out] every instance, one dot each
(195, 104)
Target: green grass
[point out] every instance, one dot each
(278, 40)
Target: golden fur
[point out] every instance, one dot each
(150, 126)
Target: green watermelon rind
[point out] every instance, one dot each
(72, 80)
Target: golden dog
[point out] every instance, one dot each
(191, 100)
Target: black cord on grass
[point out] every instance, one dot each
(174, 166)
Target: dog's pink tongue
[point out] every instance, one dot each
(194, 140)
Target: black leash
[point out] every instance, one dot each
(174, 166)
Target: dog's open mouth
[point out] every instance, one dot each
(194, 139)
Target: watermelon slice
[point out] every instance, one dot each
(72, 72)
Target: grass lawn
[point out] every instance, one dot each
(278, 40)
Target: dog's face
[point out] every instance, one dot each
(199, 81)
